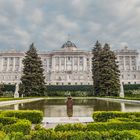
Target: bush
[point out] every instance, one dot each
(8, 120)
(2, 135)
(104, 116)
(23, 126)
(70, 127)
(16, 136)
(32, 115)
(85, 135)
(100, 126)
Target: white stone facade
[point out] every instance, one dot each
(68, 66)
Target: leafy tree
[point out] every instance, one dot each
(32, 80)
(105, 71)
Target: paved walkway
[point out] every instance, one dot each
(51, 122)
(5, 103)
(119, 100)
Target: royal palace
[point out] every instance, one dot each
(68, 66)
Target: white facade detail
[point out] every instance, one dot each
(68, 66)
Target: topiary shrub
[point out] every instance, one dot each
(34, 116)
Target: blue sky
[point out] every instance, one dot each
(47, 23)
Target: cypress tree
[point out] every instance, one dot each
(106, 73)
(32, 80)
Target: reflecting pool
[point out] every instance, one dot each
(81, 107)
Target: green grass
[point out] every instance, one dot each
(10, 99)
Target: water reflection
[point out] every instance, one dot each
(80, 107)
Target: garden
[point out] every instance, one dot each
(107, 125)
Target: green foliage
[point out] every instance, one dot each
(35, 116)
(16, 136)
(23, 126)
(8, 120)
(132, 87)
(105, 71)
(32, 80)
(73, 93)
(85, 135)
(2, 135)
(8, 94)
(103, 116)
(100, 126)
(71, 127)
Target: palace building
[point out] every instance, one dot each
(68, 66)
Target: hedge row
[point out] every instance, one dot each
(100, 126)
(132, 87)
(34, 116)
(103, 116)
(88, 135)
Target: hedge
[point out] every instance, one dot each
(34, 116)
(132, 87)
(125, 120)
(100, 126)
(8, 120)
(88, 135)
(103, 116)
(23, 126)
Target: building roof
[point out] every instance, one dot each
(69, 45)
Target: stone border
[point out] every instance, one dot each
(119, 100)
(12, 102)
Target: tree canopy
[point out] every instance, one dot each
(105, 71)
(32, 80)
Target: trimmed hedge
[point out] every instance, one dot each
(100, 126)
(88, 135)
(23, 126)
(8, 120)
(132, 87)
(104, 116)
(34, 116)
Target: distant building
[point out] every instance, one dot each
(68, 66)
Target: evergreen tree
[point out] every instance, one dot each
(106, 73)
(32, 80)
(95, 67)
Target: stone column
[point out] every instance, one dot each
(1, 64)
(59, 69)
(65, 63)
(84, 63)
(53, 63)
(20, 64)
(124, 62)
(130, 62)
(8, 64)
(78, 63)
(73, 63)
(14, 64)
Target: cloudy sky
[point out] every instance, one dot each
(47, 23)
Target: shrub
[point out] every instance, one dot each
(103, 116)
(8, 120)
(16, 136)
(23, 126)
(85, 135)
(34, 116)
(2, 135)
(70, 127)
(100, 126)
